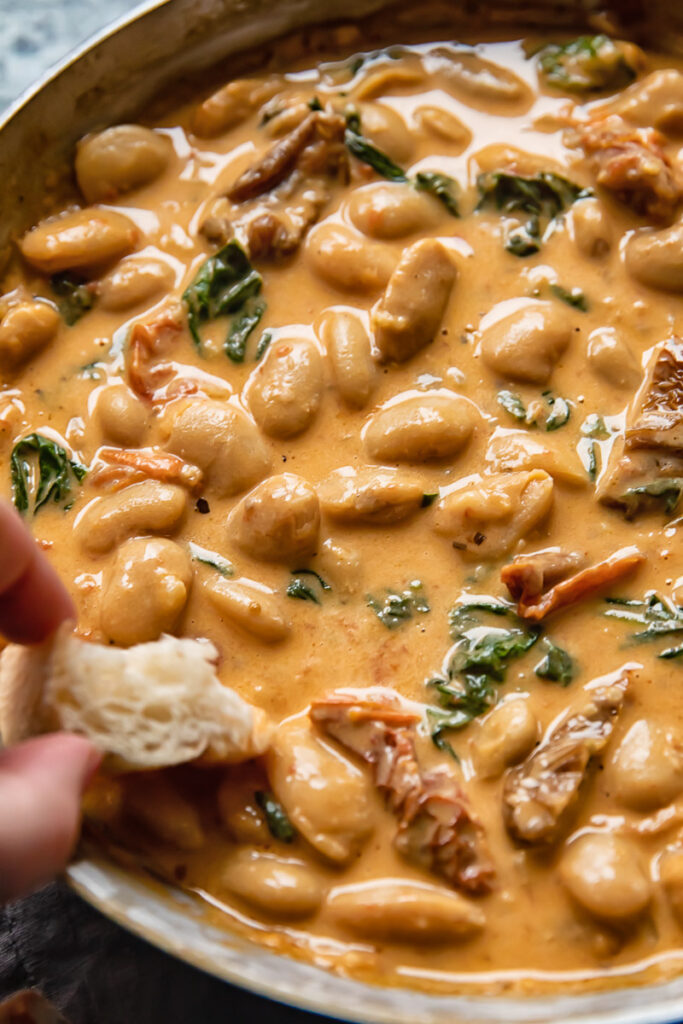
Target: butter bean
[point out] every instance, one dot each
(258, 611)
(278, 521)
(410, 312)
(284, 392)
(133, 282)
(420, 428)
(528, 343)
(346, 260)
(392, 210)
(147, 507)
(120, 159)
(123, 417)
(25, 330)
(277, 886)
(348, 346)
(604, 875)
(374, 495)
(80, 240)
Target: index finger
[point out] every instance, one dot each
(33, 599)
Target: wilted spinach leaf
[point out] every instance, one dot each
(222, 285)
(279, 825)
(75, 297)
(303, 585)
(398, 607)
(556, 665)
(574, 298)
(445, 189)
(241, 327)
(586, 64)
(41, 465)
(212, 558)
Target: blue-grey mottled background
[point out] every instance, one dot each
(94, 971)
(36, 33)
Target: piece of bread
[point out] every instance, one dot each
(149, 706)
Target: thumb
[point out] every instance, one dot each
(41, 783)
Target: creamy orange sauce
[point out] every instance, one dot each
(535, 931)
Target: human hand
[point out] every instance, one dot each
(42, 780)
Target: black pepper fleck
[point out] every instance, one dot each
(202, 506)
(479, 538)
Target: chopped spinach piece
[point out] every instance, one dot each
(241, 327)
(263, 343)
(363, 150)
(222, 285)
(595, 426)
(586, 64)
(556, 665)
(212, 558)
(428, 498)
(542, 198)
(573, 297)
(592, 460)
(560, 411)
(659, 616)
(75, 296)
(56, 472)
(315, 104)
(478, 661)
(279, 825)
(665, 491)
(513, 404)
(398, 607)
(445, 189)
(302, 585)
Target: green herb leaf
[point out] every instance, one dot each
(263, 343)
(592, 457)
(428, 498)
(586, 64)
(560, 412)
(302, 585)
(75, 297)
(43, 467)
(279, 825)
(364, 151)
(513, 404)
(665, 491)
(659, 616)
(399, 606)
(542, 198)
(212, 558)
(222, 285)
(315, 104)
(241, 327)
(574, 298)
(595, 426)
(445, 189)
(557, 665)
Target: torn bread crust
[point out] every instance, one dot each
(149, 706)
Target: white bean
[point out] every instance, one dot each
(527, 344)
(348, 345)
(374, 495)
(326, 798)
(223, 442)
(655, 258)
(276, 886)
(590, 228)
(387, 130)
(392, 210)
(410, 312)
(647, 767)
(611, 358)
(145, 590)
(284, 391)
(259, 612)
(123, 417)
(486, 517)
(80, 240)
(445, 126)
(232, 104)
(505, 737)
(346, 260)
(604, 875)
(404, 911)
(25, 330)
(278, 521)
(120, 159)
(147, 507)
(133, 282)
(420, 428)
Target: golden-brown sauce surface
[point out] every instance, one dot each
(475, 401)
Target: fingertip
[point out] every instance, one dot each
(35, 604)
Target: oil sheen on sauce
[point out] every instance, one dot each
(554, 408)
